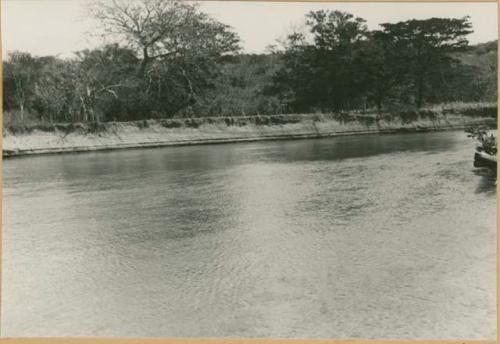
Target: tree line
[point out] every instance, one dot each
(175, 60)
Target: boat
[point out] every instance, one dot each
(486, 150)
(483, 159)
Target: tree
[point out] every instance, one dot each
(420, 50)
(326, 71)
(180, 48)
(476, 75)
(103, 73)
(20, 73)
(334, 30)
(54, 90)
(241, 88)
(165, 29)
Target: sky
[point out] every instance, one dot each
(60, 27)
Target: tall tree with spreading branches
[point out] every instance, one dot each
(164, 29)
(420, 51)
(180, 48)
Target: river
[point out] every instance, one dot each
(378, 236)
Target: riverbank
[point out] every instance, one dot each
(82, 137)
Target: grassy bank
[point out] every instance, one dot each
(42, 138)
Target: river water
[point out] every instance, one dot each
(352, 237)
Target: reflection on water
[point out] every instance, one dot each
(351, 237)
(487, 181)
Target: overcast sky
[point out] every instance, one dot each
(60, 27)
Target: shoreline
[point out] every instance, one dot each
(144, 145)
(80, 138)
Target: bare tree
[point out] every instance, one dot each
(164, 29)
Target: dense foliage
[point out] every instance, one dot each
(174, 60)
